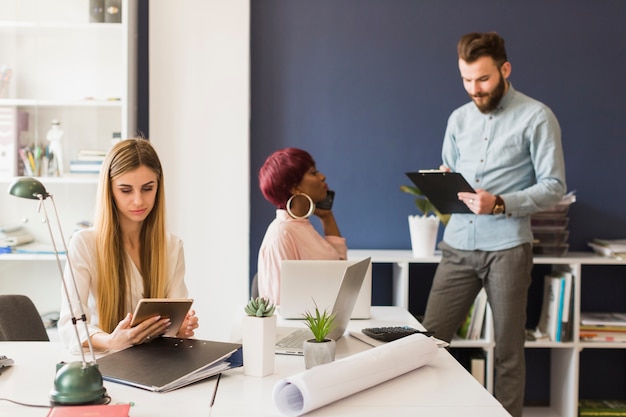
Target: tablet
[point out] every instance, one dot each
(174, 308)
(441, 188)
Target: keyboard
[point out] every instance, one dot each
(294, 340)
(389, 334)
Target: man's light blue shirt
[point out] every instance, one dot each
(515, 152)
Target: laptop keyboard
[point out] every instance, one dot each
(295, 339)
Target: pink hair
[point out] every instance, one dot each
(281, 172)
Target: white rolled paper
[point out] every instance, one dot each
(321, 385)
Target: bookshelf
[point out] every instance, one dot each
(571, 363)
(56, 63)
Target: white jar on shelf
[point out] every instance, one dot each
(55, 137)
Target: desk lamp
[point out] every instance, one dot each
(75, 382)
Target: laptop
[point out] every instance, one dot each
(303, 281)
(353, 277)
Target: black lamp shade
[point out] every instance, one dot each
(30, 188)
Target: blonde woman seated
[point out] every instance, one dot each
(126, 255)
(290, 181)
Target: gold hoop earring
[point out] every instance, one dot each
(311, 206)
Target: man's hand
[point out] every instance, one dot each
(481, 202)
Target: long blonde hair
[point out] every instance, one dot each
(113, 263)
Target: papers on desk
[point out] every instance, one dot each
(321, 385)
(168, 363)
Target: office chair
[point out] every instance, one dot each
(20, 320)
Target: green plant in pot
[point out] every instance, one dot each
(320, 349)
(423, 204)
(424, 227)
(258, 337)
(259, 307)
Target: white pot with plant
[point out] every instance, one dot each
(319, 350)
(424, 227)
(258, 337)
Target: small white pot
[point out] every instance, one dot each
(258, 338)
(318, 353)
(423, 235)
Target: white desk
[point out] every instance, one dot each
(442, 388)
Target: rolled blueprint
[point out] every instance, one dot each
(321, 385)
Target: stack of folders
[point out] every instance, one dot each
(603, 327)
(168, 363)
(549, 227)
(612, 248)
(11, 236)
(555, 322)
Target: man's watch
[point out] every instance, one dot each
(498, 208)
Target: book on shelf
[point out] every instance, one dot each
(14, 236)
(477, 367)
(85, 167)
(605, 408)
(551, 318)
(471, 328)
(8, 141)
(603, 327)
(37, 248)
(614, 248)
(91, 155)
(602, 336)
(602, 318)
(568, 306)
(168, 363)
(478, 317)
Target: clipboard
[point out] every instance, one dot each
(441, 188)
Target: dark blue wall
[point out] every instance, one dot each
(366, 86)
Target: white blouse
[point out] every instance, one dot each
(82, 255)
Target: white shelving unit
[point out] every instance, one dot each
(60, 66)
(564, 356)
(81, 73)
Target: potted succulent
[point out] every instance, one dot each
(423, 227)
(258, 336)
(320, 349)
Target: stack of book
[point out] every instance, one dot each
(550, 232)
(11, 236)
(555, 322)
(87, 162)
(606, 408)
(613, 248)
(602, 327)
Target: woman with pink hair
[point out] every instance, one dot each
(290, 181)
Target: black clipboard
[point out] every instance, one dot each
(441, 189)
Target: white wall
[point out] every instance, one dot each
(199, 124)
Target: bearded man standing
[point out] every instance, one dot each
(508, 146)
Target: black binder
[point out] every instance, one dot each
(441, 189)
(168, 363)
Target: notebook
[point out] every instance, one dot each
(303, 281)
(343, 305)
(441, 188)
(168, 363)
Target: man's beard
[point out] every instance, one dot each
(494, 97)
